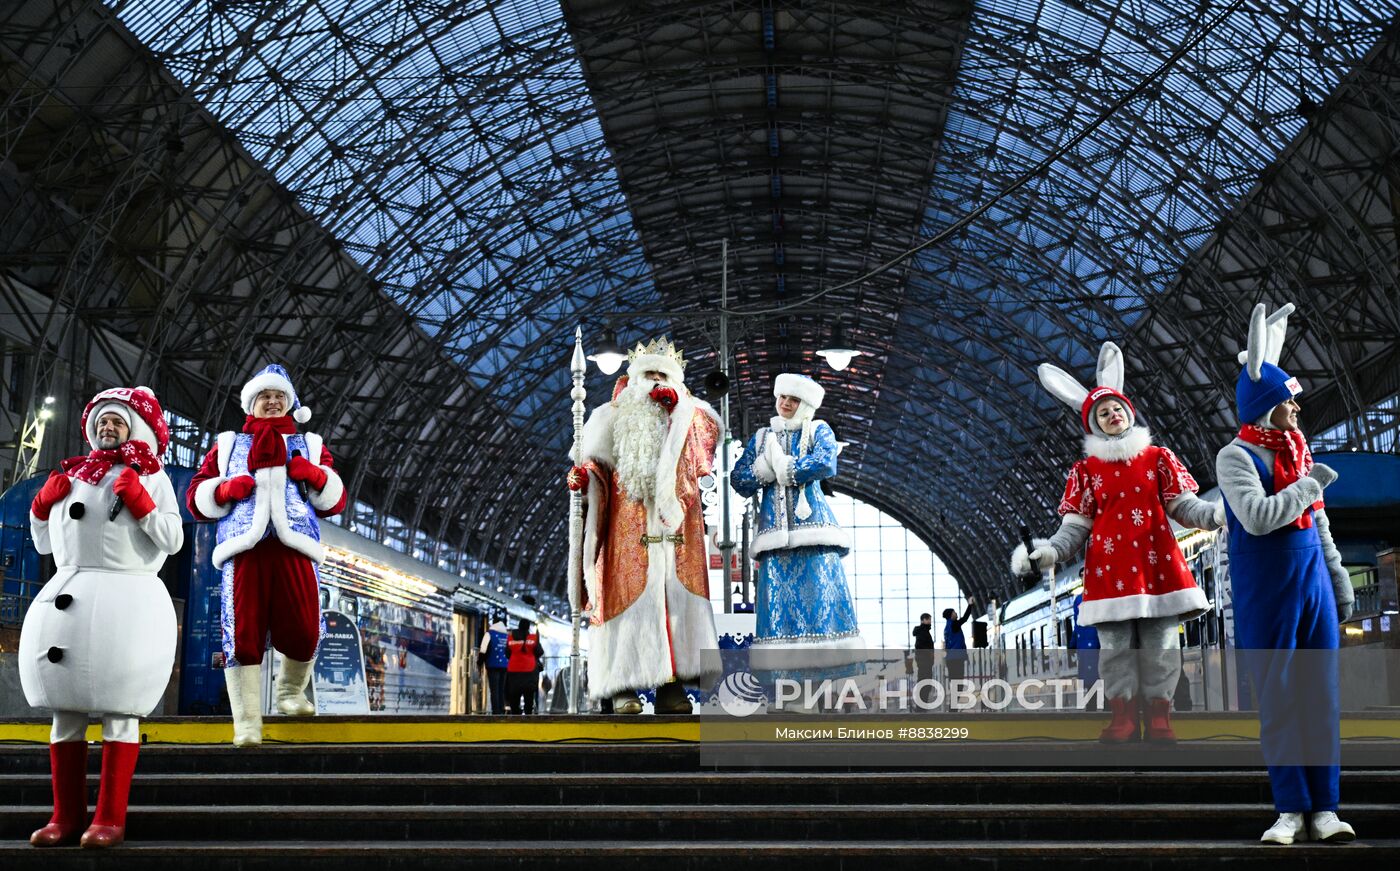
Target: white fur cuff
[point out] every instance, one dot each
(329, 496)
(206, 503)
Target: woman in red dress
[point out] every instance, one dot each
(1137, 586)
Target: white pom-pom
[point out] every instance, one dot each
(301, 415)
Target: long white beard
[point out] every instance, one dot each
(639, 430)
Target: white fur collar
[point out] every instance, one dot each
(1120, 449)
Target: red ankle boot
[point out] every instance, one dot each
(1158, 729)
(1124, 725)
(68, 764)
(108, 827)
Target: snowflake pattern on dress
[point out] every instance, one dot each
(1152, 557)
(1108, 546)
(1118, 585)
(1138, 517)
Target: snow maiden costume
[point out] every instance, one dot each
(1137, 586)
(1291, 591)
(99, 639)
(803, 603)
(265, 493)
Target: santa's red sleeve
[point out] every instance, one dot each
(199, 498)
(330, 499)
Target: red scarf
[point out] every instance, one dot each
(1292, 459)
(95, 465)
(269, 448)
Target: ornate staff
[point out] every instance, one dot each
(575, 580)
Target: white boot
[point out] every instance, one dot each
(291, 689)
(245, 699)
(1289, 828)
(1326, 827)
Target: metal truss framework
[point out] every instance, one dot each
(412, 203)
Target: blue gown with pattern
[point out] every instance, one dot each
(803, 598)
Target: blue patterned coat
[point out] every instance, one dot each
(779, 526)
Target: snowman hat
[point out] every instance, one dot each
(273, 377)
(137, 406)
(804, 388)
(1064, 387)
(1262, 384)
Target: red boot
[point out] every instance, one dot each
(1124, 725)
(1158, 729)
(108, 827)
(68, 762)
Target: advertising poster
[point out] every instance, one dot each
(339, 676)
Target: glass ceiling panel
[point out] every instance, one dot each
(1120, 213)
(452, 146)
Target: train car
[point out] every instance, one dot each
(417, 626)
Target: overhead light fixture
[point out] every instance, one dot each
(49, 400)
(610, 354)
(838, 352)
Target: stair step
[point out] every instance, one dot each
(995, 822)
(707, 854)
(742, 788)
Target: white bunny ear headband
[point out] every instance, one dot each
(1266, 335)
(1064, 387)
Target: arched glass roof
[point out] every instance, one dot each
(505, 170)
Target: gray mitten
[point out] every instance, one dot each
(1323, 475)
(1344, 611)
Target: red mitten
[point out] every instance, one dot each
(235, 489)
(577, 479)
(664, 397)
(302, 469)
(49, 495)
(129, 489)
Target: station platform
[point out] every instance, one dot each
(647, 792)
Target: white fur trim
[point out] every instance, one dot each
(783, 539)
(596, 442)
(630, 651)
(206, 503)
(804, 388)
(640, 366)
(1121, 449)
(269, 505)
(302, 414)
(668, 507)
(265, 381)
(225, 445)
(591, 521)
(1021, 561)
(1186, 604)
(329, 495)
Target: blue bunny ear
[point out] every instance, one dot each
(1258, 343)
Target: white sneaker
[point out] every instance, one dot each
(1287, 829)
(1326, 827)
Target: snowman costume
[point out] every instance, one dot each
(1291, 591)
(266, 486)
(1119, 501)
(99, 639)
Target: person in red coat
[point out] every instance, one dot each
(266, 486)
(1119, 501)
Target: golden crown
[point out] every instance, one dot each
(661, 347)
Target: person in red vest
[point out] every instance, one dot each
(521, 680)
